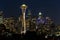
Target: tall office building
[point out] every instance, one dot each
(1, 17)
(40, 20)
(28, 20)
(12, 24)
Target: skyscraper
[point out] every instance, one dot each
(1, 17)
(28, 23)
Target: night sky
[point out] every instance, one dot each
(47, 7)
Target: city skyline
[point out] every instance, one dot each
(48, 8)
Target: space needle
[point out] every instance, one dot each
(23, 8)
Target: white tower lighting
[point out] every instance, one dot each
(40, 13)
(24, 7)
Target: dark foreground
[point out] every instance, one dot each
(29, 35)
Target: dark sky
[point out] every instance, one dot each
(47, 7)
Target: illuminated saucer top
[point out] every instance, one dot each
(23, 6)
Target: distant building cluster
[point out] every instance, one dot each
(38, 23)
